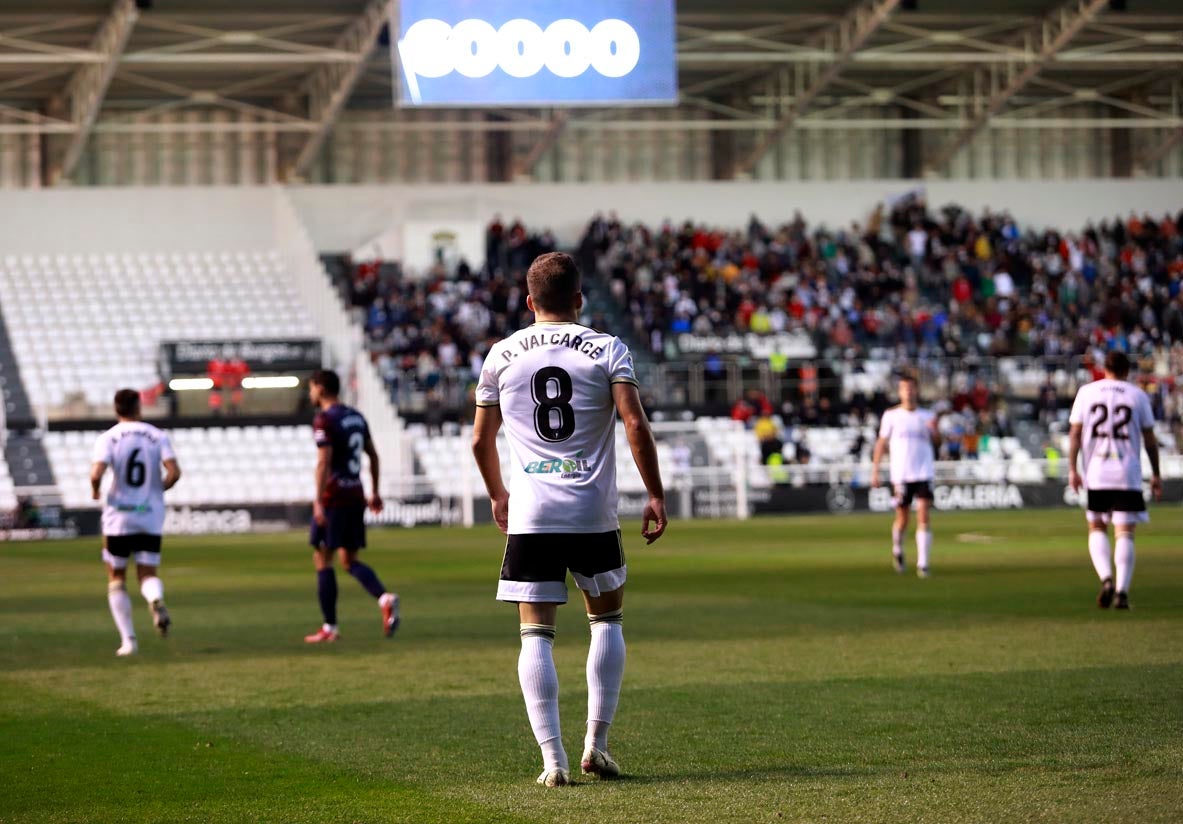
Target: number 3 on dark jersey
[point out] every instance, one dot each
(554, 418)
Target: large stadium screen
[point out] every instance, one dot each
(535, 52)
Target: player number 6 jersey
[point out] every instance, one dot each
(553, 382)
(134, 452)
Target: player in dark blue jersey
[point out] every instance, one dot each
(338, 511)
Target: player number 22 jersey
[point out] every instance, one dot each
(134, 452)
(553, 382)
(1112, 415)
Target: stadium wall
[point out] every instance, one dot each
(346, 218)
(343, 218)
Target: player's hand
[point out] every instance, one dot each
(318, 513)
(654, 514)
(875, 484)
(1156, 487)
(94, 493)
(375, 503)
(501, 513)
(1075, 483)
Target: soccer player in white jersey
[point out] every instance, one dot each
(133, 514)
(1111, 422)
(557, 386)
(910, 434)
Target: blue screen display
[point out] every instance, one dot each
(535, 52)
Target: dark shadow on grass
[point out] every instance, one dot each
(755, 774)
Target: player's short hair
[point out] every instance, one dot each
(553, 282)
(1118, 363)
(328, 380)
(127, 403)
(909, 377)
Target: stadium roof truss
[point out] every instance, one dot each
(105, 66)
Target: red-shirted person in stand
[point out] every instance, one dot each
(338, 510)
(215, 370)
(236, 372)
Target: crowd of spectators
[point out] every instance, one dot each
(911, 281)
(908, 285)
(429, 332)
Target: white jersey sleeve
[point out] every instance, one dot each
(553, 382)
(487, 393)
(620, 363)
(102, 452)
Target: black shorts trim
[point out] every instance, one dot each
(124, 546)
(546, 556)
(913, 491)
(1116, 500)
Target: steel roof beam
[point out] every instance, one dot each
(328, 87)
(1054, 33)
(844, 39)
(1156, 153)
(82, 98)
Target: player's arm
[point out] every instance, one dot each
(1074, 436)
(324, 461)
(488, 461)
(96, 478)
(375, 474)
(172, 473)
(644, 448)
(881, 447)
(1151, 443)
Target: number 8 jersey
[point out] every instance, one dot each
(134, 451)
(1112, 415)
(553, 382)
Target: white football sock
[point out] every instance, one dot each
(605, 672)
(923, 545)
(540, 688)
(897, 541)
(120, 603)
(1099, 550)
(152, 589)
(1124, 556)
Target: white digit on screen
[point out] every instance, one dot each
(568, 48)
(474, 48)
(520, 55)
(615, 48)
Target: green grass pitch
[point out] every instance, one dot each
(778, 671)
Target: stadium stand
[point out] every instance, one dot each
(83, 326)
(222, 465)
(7, 491)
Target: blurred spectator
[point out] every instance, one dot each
(752, 405)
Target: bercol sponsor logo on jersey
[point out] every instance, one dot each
(564, 467)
